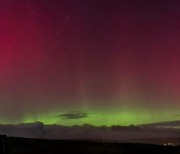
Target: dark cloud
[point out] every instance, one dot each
(73, 115)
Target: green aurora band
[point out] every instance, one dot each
(100, 117)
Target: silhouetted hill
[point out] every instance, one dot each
(123, 134)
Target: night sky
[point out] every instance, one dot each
(101, 62)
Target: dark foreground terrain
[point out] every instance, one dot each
(11, 145)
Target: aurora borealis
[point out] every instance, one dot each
(117, 61)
